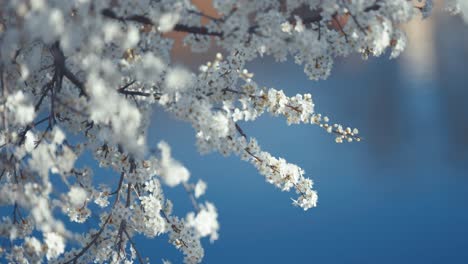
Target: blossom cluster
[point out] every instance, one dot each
(82, 77)
(458, 7)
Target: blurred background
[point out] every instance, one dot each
(399, 196)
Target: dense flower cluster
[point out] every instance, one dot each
(458, 7)
(82, 76)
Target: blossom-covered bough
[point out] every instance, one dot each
(83, 76)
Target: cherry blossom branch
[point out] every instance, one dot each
(97, 36)
(272, 167)
(106, 222)
(201, 14)
(197, 30)
(147, 21)
(4, 95)
(140, 258)
(340, 27)
(200, 30)
(91, 243)
(22, 134)
(191, 196)
(62, 70)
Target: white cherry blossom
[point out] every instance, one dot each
(81, 78)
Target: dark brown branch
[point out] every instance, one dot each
(62, 70)
(373, 7)
(140, 258)
(139, 19)
(45, 89)
(147, 21)
(197, 30)
(98, 234)
(239, 129)
(22, 134)
(92, 242)
(73, 79)
(201, 14)
(341, 28)
(134, 93)
(192, 197)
